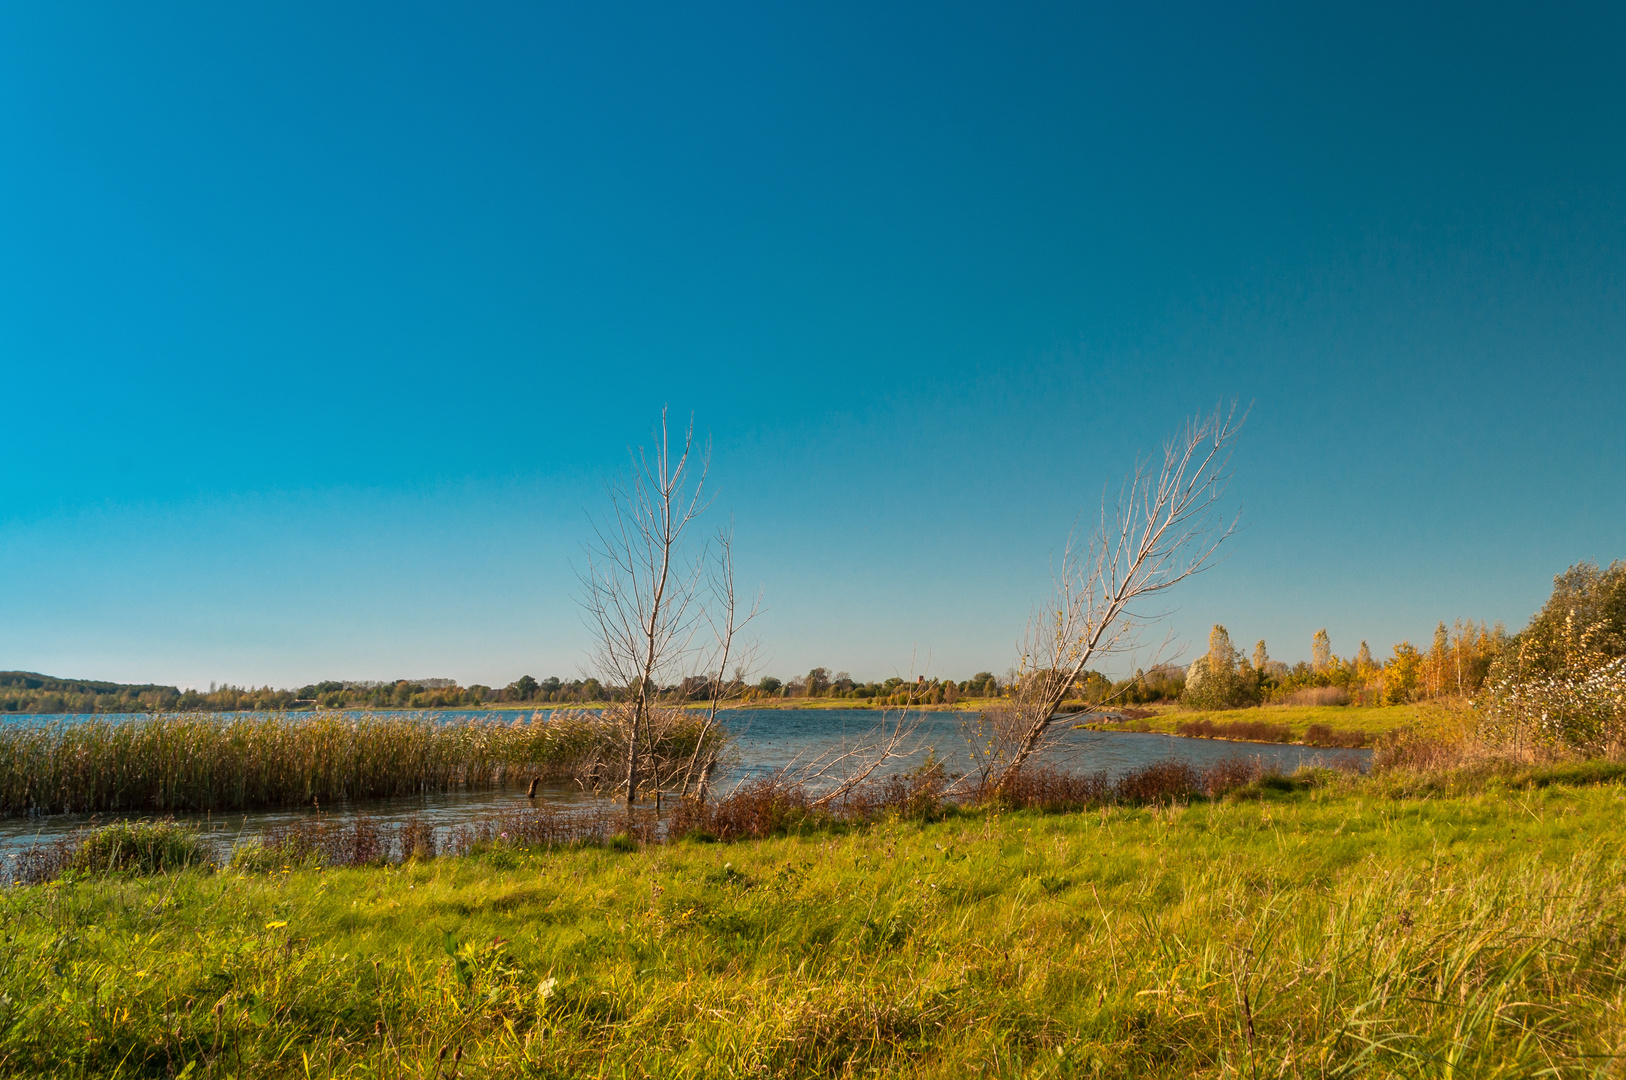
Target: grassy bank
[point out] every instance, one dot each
(196, 762)
(1327, 930)
(1278, 723)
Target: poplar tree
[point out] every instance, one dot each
(1363, 661)
(1438, 656)
(1321, 652)
(1221, 662)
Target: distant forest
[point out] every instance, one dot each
(33, 693)
(1455, 664)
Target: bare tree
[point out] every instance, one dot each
(641, 589)
(1165, 526)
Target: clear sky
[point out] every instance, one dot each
(321, 323)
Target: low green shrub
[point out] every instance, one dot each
(1573, 773)
(138, 847)
(125, 847)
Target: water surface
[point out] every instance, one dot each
(765, 740)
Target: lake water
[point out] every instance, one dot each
(766, 739)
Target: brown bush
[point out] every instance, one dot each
(535, 826)
(917, 794)
(1242, 730)
(1160, 783)
(1042, 787)
(1406, 750)
(362, 841)
(358, 841)
(1323, 735)
(760, 808)
(773, 805)
(1230, 773)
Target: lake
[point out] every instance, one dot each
(766, 740)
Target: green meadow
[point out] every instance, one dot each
(1371, 721)
(1316, 926)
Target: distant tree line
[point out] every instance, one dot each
(1455, 665)
(31, 692)
(820, 683)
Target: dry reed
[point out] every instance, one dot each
(194, 763)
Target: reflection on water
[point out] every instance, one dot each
(766, 739)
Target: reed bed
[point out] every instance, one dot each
(1317, 696)
(190, 763)
(1326, 735)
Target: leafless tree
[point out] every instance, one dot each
(641, 588)
(1166, 525)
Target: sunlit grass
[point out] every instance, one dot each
(1323, 932)
(1371, 720)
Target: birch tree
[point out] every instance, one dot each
(1165, 525)
(646, 587)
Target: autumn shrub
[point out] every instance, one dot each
(1245, 730)
(1161, 783)
(1044, 787)
(917, 795)
(363, 841)
(1325, 735)
(766, 806)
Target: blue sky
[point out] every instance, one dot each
(321, 324)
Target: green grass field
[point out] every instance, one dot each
(1329, 931)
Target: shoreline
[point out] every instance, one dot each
(1215, 738)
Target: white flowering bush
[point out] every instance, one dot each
(1561, 683)
(1583, 711)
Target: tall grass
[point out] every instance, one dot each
(1308, 934)
(1316, 696)
(195, 763)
